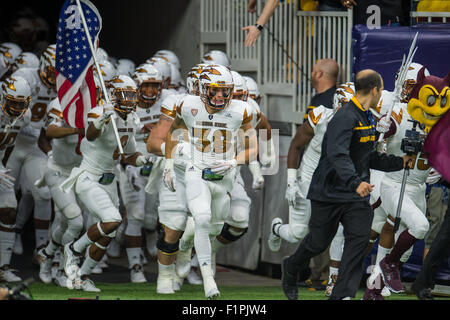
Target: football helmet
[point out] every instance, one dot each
(47, 71)
(16, 96)
(149, 81)
(171, 57)
(193, 76)
(101, 55)
(10, 52)
(107, 69)
(240, 91)
(216, 57)
(25, 60)
(164, 67)
(126, 67)
(343, 94)
(410, 80)
(253, 90)
(216, 87)
(175, 77)
(123, 91)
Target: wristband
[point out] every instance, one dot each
(260, 27)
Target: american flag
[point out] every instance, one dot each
(74, 61)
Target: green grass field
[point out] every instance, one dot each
(128, 291)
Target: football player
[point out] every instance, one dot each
(28, 161)
(138, 203)
(15, 98)
(94, 180)
(213, 122)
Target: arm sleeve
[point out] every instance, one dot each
(385, 162)
(339, 137)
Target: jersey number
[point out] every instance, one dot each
(220, 138)
(123, 142)
(422, 163)
(38, 111)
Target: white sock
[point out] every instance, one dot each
(201, 240)
(285, 233)
(166, 270)
(381, 253)
(51, 248)
(7, 240)
(134, 256)
(87, 266)
(82, 243)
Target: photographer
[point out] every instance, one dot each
(340, 189)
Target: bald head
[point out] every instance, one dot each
(366, 80)
(329, 67)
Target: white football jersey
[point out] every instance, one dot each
(64, 153)
(102, 154)
(421, 170)
(212, 136)
(384, 104)
(41, 97)
(256, 111)
(146, 116)
(9, 129)
(318, 118)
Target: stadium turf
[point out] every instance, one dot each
(128, 291)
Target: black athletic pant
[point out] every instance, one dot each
(439, 250)
(356, 217)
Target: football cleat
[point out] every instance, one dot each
(71, 262)
(183, 263)
(45, 266)
(193, 278)
(137, 274)
(274, 240)
(7, 275)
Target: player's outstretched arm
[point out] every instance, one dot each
(158, 136)
(303, 136)
(178, 127)
(56, 132)
(249, 139)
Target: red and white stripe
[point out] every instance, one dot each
(78, 98)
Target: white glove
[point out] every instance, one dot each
(258, 179)
(169, 176)
(132, 176)
(293, 189)
(267, 155)
(100, 121)
(383, 125)
(144, 160)
(222, 167)
(6, 181)
(433, 176)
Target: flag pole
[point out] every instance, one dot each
(102, 83)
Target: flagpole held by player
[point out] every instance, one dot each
(102, 83)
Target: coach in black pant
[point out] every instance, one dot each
(439, 250)
(340, 190)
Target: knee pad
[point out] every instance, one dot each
(167, 248)
(231, 235)
(419, 230)
(72, 211)
(202, 221)
(75, 225)
(109, 235)
(134, 228)
(299, 231)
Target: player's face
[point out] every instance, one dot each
(219, 95)
(15, 107)
(148, 93)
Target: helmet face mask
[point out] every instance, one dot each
(218, 97)
(48, 76)
(257, 98)
(149, 92)
(125, 100)
(240, 95)
(15, 107)
(15, 96)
